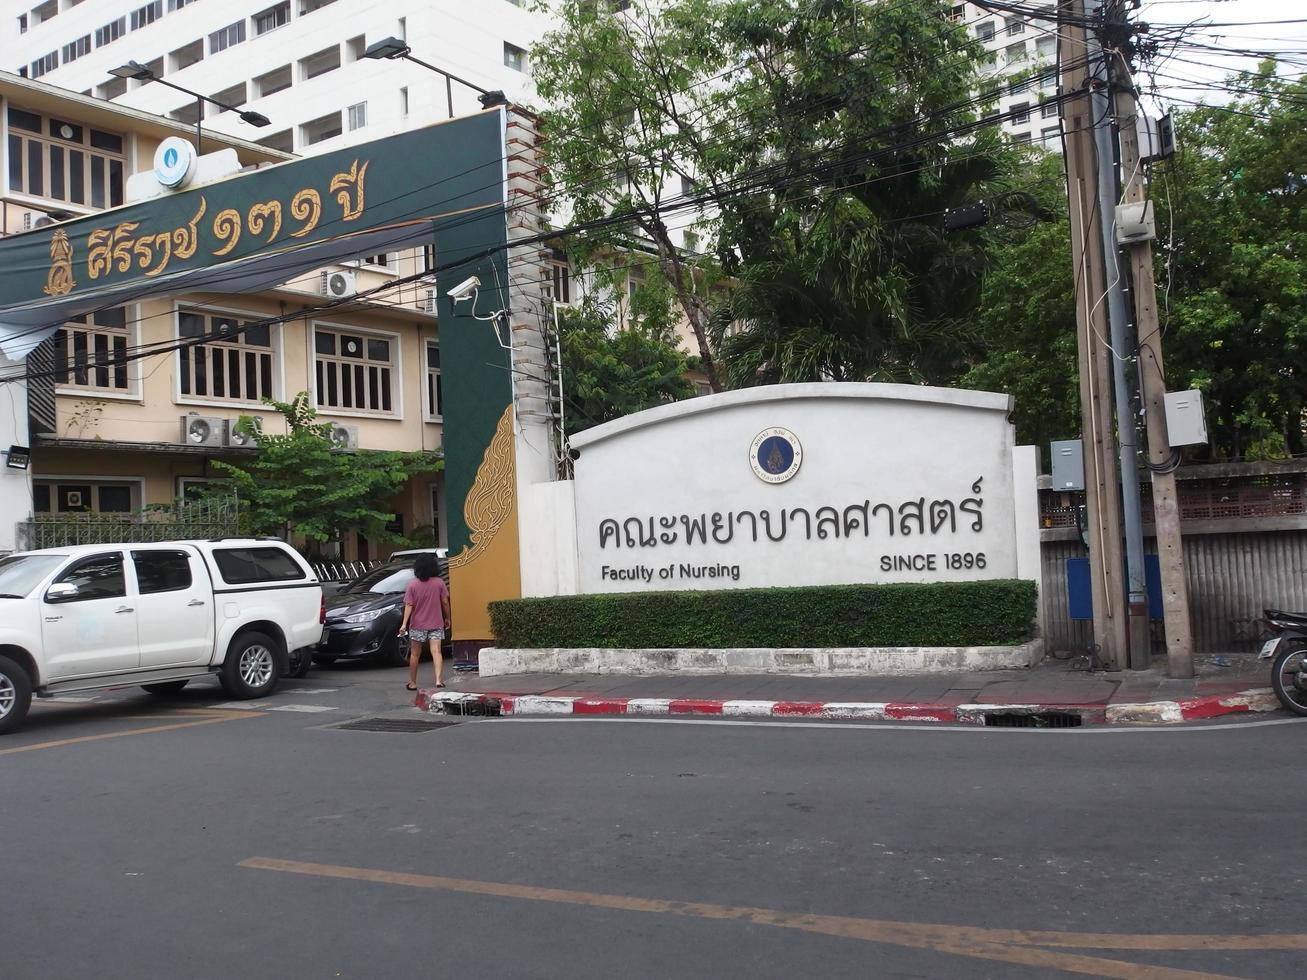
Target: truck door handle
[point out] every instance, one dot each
(124, 609)
(195, 602)
(53, 619)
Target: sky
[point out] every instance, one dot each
(1192, 71)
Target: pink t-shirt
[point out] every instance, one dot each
(425, 598)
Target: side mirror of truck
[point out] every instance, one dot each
(62, 592)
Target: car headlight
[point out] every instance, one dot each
(364, 617)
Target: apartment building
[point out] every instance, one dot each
(1020, 70)
(112, 438)
(299, 63)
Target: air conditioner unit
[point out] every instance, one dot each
(344, 436)
(238, 437)
(36, 219)
(203, 430)
(338, 285)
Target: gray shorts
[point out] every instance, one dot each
(422, 636)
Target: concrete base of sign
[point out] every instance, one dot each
(874, 661)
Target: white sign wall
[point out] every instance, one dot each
(788, 485)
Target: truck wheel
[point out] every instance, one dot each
(165, 688)
(250, 669)
(15, 695)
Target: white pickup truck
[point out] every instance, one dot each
(158, 615)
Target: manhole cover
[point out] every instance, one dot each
(394, 725)
(1040, 719)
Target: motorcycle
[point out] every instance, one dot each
(1288, 647)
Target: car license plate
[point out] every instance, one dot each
(1268, 648)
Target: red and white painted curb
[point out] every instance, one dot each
(1153, 712)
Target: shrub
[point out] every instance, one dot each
(992, 613)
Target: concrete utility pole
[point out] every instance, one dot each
(1102, 487)
(1120, 353)
(1152, 380)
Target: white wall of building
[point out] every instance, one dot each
(465, 38)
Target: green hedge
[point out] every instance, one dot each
(993, 613)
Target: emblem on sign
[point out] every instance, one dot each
(59, 280)
(775, 455)
(174, 162)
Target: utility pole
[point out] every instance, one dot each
(1102, 486)
(1120, 350)
(1152, 380)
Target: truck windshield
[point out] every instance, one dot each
(387, 578)
(20, 574)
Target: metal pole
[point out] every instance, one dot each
(1166, 507)
(1102, 485)
(199, 118)
(449, 93)
(1118, 317)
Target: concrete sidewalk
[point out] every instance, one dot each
(1225, 685)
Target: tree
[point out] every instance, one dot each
(608, 373)
(821, 141)
(301, 484)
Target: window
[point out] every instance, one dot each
(162, 571)
(272, 82)
(284, 141)
(44, 11)
(76, 49)
(144, 16)
(355, 47)
(328, 59)
(89, 352)
(308, 6)
(1018, 87)
(957, 13)
(691, 241)
(45, 63)
(1015, 26)
(435, 514)
(358, 116)
(231, 361)
(70, 495)
(174, 5)
(402, 29)
(634, 280)
(1046, 47)
(1015, 53)
(22, 23)
(354, 371)
(111, 89)
(230, 35)
(403, 101)
(561, 269)
(110, 32)
(272, 18)
(514, 57)
(435, 396)
(985, 31)
(1021, 138)
(322, 128)
(187, 112)
(245, 566)
(64, 162)
(382, 260)
(100, 577)
(1020, 113)
(1048, 79)
(187, 55)
(1051, 135)
(1048, 110)
(234, 96)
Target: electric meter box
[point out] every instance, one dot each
(1068, 464)
(1186, 424)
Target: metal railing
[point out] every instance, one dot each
(180, 521)
(341, 571)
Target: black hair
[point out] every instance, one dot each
(426, 567)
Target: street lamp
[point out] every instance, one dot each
(391, 48)
(143, 73)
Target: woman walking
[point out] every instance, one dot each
(426, 617)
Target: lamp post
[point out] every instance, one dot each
(391, 48)
(143, 73)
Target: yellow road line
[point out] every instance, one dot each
(209, 718)
(1001, 945)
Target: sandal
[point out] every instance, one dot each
(410, 687)
(441, 684)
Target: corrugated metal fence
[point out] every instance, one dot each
(1250, 556)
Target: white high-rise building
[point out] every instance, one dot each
(297, 62)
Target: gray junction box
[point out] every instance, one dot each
(1068, 464)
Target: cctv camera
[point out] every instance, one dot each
(464, 289)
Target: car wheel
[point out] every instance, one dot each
(165, 688)
(324, 659)
(15, 695)
(250, 668)
(299, 663)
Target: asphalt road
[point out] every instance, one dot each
(143, 838)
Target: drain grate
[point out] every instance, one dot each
(1039, 719)
(394, 725)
